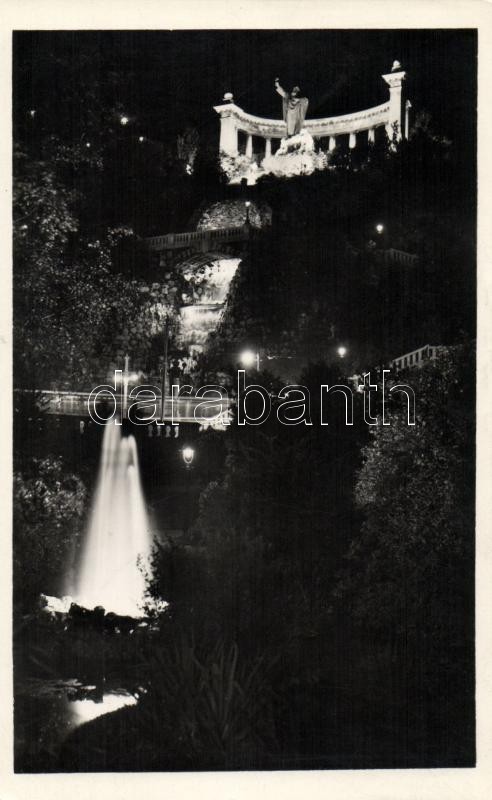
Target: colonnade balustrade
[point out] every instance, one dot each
(392, 115)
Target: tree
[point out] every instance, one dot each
(49, 505)
(406, 592)
(259, 562)
(66, 299)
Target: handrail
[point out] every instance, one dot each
(176, 240)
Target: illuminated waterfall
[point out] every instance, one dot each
(201, 318)
(118, 534)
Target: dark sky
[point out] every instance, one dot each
(161, 78)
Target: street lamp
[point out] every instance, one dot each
(247, 204)
(124, 120)
(379, 227)
(342, 351)
(248, 358)
(188, 455)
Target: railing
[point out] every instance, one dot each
(176, 241)
(416, 358)
(400, 257)
(318, 128)
(66, 403)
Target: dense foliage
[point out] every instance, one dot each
(321, 602)
(49, 509)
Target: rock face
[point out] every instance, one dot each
(295, 156)
(301, 143)
(232, 213)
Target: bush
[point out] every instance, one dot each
(211, 706)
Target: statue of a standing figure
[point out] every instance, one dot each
(294, 108)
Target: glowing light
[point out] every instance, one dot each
(342, 351)
(124, 120)
(248, 359)
(379, 228)
(247, 203)
(188, 455)
(118, 538)
(131, 377)
(87, 144)
(141, 138)
(200, 319)
(87, 709)
(32, 112)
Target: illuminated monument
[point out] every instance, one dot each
(301, 153)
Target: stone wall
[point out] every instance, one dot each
(231, 213)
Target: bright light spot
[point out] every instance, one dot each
(379, 228)
(141, 138)
(248, 358)
(247, 203)
(131, 377)
(87, 144)
(86, 710)
(124, 120)
(32, 112)
(188, 455)
(24, 227)
(118, 536)
(342, 351)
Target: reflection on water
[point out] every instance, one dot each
(46, 712)
(95, 702)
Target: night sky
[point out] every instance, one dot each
(162, 79)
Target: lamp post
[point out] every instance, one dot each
(165, 369)
(248, 358)
(247, 204)
(380, 228)
(342, 351)
(188, 455)
(126, 380)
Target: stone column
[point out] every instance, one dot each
(408, 106)
(395, 79)
(249, 146)
(371, 138)
(352, 140)
(228, 132)
(332, 143)
(268, 148)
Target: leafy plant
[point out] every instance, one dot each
(215, 707)
(49, 504)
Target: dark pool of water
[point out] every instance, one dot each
(47, 711)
